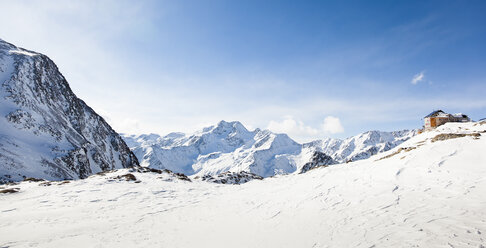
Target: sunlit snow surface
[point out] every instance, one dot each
(431, 196)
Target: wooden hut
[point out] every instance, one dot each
(439, 117)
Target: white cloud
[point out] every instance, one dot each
(304, 133)
(418, 77)
(293, 128)
(332, 125)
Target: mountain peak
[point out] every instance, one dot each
(9, 49)
(224, 123)
(227, 127)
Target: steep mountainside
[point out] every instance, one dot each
(230, 147)
(45, 130)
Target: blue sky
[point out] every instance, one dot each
(312, 69)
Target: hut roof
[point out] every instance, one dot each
(437, 113)
(460, 115)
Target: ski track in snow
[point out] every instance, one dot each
(406, 200)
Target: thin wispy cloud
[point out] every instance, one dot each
(418, 77)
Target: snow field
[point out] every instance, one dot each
(431, 196)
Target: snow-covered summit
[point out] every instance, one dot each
(226, 146)
(12, 49)
(45, 130)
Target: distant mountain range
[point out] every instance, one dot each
(45, 130)
(230, 147)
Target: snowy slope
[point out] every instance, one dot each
(429, 191)
(45, 130)
(230, 147)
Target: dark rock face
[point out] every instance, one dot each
(319, 159)
(179, 176)
(127, 177)
(232, 177)
(45, 130)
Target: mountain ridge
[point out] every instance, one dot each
(230, 147)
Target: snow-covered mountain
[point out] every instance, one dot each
(227, 146)
(230, 147)
(361, 146)
(429, 191)
(45, 130)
